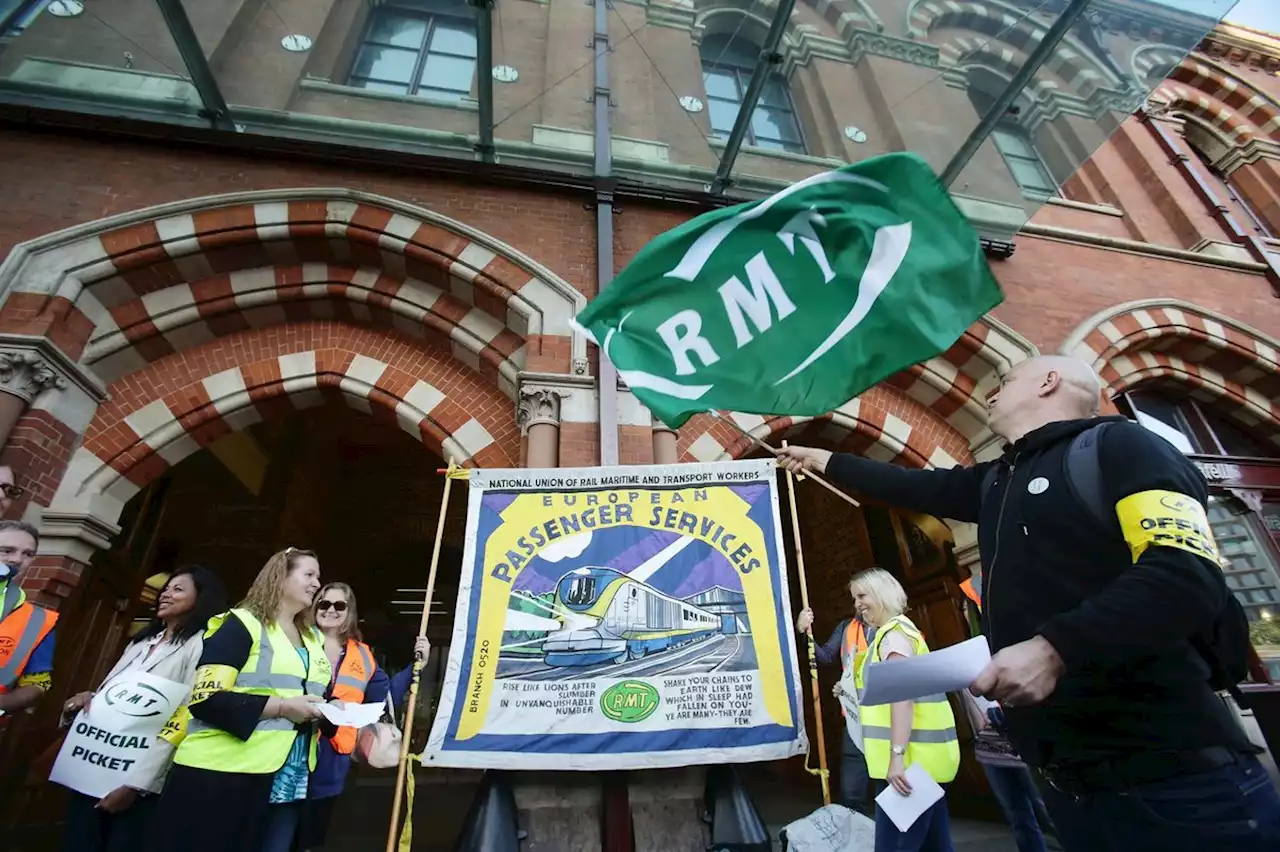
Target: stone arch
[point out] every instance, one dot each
(1152, 63)
(931, 408)
(117, 294)
(1203, 88)
(1218, 359)
(1074, 62)
(159, 415)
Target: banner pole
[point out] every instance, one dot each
(823, 773)
(417, 668)
(771, 451)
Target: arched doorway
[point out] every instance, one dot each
(226, 336)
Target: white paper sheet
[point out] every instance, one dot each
(905, 810)
(353, 715)
(929, 674)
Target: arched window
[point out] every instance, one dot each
(1011, 139)
(423, 48)
(727, 65)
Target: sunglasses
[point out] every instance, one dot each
(13, 492)
(338, 606)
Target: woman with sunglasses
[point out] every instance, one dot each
(357, 678)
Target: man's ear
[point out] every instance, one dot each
(1050, 382)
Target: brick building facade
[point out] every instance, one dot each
(168, 309)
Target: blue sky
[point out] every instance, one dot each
(1259, 14)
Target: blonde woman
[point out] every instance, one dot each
(894, 736)
(358, 679)
(239, 779)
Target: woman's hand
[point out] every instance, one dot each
(421, 649)
(118, 800)
(300, 708)
(897, 775)
(804, 620)
(77, 702)
(837, 690)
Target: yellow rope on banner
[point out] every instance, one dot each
(823, 774)
(406, 830)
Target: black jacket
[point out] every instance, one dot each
(1133, 681)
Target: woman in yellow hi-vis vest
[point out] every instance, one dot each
(248, 735)
(894, 736)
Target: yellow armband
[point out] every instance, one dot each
(1166, 519)
(175, 730)
(211, 679)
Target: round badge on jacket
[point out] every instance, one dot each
(1039, 485)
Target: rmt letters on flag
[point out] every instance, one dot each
(797, 303)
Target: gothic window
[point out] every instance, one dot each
(424, 48)
(727, 66)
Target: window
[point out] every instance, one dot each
(1023, 160)
(727, 66)
(1193, 428)
(1251, 572)
(422, 48)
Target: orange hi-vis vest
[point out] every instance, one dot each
(23, 626)
(967, 588)
(352, 680)
(852, 646)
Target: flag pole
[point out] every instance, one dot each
(450, 473)
(823, 773)
(771, 451)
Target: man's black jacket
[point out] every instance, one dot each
(1133, 680)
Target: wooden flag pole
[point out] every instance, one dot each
(823, 772)
(771, 451)
(403, 765)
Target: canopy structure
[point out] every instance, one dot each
(729, 99)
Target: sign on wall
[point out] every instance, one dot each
(115, 732)
(616, 618)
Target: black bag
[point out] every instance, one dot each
(1225, 644)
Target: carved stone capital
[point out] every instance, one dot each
(539, 405)
(31, 365)
(25, 374)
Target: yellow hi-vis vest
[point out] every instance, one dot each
(933, 742)
(273, 668)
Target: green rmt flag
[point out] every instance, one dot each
(797, 303)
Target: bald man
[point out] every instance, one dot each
(1091, 633)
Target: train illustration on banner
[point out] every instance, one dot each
(617, 618)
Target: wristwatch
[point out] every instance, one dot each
(898, 749)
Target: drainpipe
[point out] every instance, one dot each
(605, 184)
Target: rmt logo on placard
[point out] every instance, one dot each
(137, 700)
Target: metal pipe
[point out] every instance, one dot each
(604, 188)
(769, 58)
(484, 71)
(15, 14)
(1034, 62)
(184, 38)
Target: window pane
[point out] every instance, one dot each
(723, 114)
(1252, 569)
(774, 93)
(379, 86)
(448, 74)
(1029, 174)
(402, 32)
(1161, 416)
(721, 85)
(453, 36)
(1013, 142)
(386, 63)
(775, 124)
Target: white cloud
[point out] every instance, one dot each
(566, 548)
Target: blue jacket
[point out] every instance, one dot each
(330, 774)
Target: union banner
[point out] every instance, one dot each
(619, 618)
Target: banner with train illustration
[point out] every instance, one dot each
(618, 618)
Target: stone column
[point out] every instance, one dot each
(538, 414)
(665, 440)
(25, 372)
